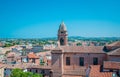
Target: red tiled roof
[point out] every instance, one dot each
(23, 66)
(1, 65)
(57, 50)
(11, 54)
(20, 66)
(83, 49)
(114, 44)
(111, 65)
(40, 66)
(43, 53)
(80, 72)
(114, 52)
(95, 72)
(32, 55)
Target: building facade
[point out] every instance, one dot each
(73, 61)
(1, 71)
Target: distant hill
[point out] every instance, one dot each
(70, 38)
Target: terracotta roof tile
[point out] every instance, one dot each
(24, 66)
(114, 52)
(20, 66)
(32, 55)
(114, 44)
(83, 49)
(39, 66)
(11, 54)
(81, 71)
(1, 65)
(43, 53)
(95, 72)
(111, 65)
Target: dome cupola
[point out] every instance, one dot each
(62, 27)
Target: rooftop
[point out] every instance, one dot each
(95, 72)
(80, 49)
(111, 65)
(24, 66)
(115, 52)
(117, 43)
(32, 55)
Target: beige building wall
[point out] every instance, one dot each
(37, 61)
(1, 71)
(57, 65)
(88, 60)
(60, 69)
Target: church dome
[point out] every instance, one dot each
(62, 27)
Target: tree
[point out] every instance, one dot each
(16, 72)
(79, 44)
(19, 73)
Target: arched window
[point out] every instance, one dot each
(61, 41)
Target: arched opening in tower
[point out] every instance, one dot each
(61, 41)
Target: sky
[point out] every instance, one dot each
(41, 18)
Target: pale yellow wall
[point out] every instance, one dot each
(2, 72)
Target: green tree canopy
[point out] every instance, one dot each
(79, 44)
(19, 73)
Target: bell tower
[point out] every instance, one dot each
(62, 34)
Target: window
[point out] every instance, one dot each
(95, 61)
(61, 32)
(33, 60)
(36, 71)
(42, 71)
(61, 41)
(30, 70)
(81, 61)
(67, 60)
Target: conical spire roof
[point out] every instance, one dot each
(62, 27)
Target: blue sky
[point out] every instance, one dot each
(41, 18)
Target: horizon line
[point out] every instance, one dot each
(56, 37)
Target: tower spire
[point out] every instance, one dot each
(62, 34)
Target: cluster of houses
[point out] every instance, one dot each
(20, 57)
